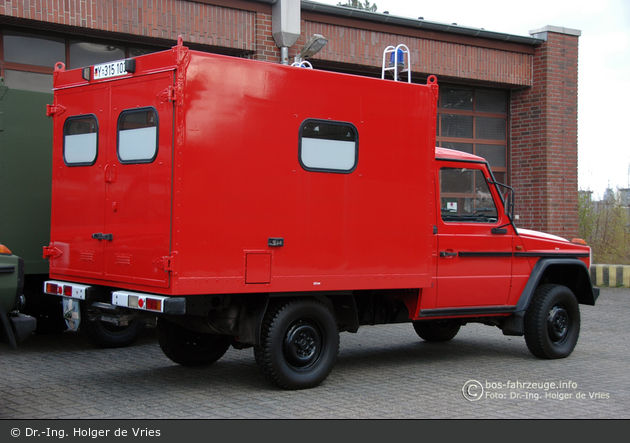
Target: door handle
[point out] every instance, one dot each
(448, 254)
(110, 173)
(100, 236)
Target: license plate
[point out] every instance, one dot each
(108, 70)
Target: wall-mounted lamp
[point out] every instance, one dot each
(312, 47)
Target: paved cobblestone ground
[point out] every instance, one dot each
(382, 372)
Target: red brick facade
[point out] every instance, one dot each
(542, 78)
(544, 139)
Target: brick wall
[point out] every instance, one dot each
(266, 48)
(544, 139)
(246, 26)
(201, 23)
(444, 59)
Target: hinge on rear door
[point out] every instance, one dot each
(52, 252)
(52, 110)
(168, 94)
(166, 262)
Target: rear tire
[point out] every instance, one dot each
(299, 344)
(107, 335)
(436, 330)
(190, 348)
(552, 322)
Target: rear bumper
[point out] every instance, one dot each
(158, 304)
(149, 302)
(595, 294)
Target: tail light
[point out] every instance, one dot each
(71, 290)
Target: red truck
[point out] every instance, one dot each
(250, 204)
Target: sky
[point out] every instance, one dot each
(603, 67)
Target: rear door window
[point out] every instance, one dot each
(138, 135)
(80, 140)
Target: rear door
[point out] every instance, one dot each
(112, 181)
(138, 182)
(78, 188)
(474, 266)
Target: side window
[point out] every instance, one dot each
(465, 196)
(138, 135)
(327, 146)
(80, 140)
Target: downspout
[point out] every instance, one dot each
(285, 25)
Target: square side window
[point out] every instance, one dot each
(328, 146)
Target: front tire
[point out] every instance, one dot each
(299, 344)
(436, 330)
(552, 322)
(190, 348)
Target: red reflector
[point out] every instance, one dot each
(154, 305)
(140, 302)
(67, 291)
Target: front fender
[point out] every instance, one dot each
(569, 272)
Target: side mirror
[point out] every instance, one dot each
(508, 199)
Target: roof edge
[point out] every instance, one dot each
(342, 11)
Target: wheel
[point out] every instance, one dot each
(190, 348)
(107, 335)
(104, 334)
(436, 330)
(299, 344)
(552, 322)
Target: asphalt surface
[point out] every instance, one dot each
(383, 372)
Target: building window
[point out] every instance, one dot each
(88, 54)
(475, 120)
(27, 59)
(80, 140)
(138, 136)
(327, 146)
(33, 49)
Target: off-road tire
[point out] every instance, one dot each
(299, 343)
(107, 335)
(190, 348)
(436, 330)
(552, 322)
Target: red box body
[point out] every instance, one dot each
(225, 206)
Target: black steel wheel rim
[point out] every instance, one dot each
(558, 323)
(302, 344)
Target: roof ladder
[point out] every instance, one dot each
(397, 62)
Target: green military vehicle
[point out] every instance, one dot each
(14, 327)
(25, 201)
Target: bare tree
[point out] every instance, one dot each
(357, 4)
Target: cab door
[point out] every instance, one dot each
(137, 176)
(474, 263)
